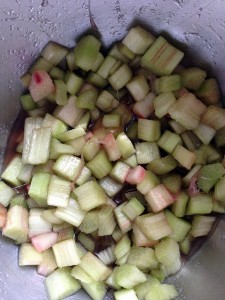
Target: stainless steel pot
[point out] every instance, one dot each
(198, 27)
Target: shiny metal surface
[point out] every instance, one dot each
(198, 27)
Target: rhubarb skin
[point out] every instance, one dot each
(41, 85)
(136, 175)
(44, 241)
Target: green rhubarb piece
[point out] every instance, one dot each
(149, 182)
(94, 267)
(19, 200)
(39, 188)
(96, 80)
(106, 215)
(172, 182)
(29, 256)
(185, 245)
(87, 99)
(133, 208)
(202, 225)
(90, 195)
(110, 186)
(70, 60)
(6, 193)
(86, 52)
(84, 176)
(41, 64)
(209, 92)
(121, 77)
(72, 214)
(12, 171)
(220, 137)
(179, 206)
(100, 165)
(66, 253)
(162, 166)
(60, 92)
(168, 141)
(167, 251)
(161, 58)
(16, 226)
(106, 66)
(162, 103)
(120, 171)
(56, 73)
(54, 52)
(125, 294)
(138, 87)
(162, 292)
(154, 226)
(73, 82)
(90, 222)
(219, 193)
(138, 40)
(58, 192)
(123, 221)
(200, 204)
(60, 284)
(27, 102)
(143, 258)
(68, 166)
(179, 226)
(192, 78)
(209, 175)
(96, 290)
(126, 51)
(127, 276)
(144, 288)
(147, 152)
(86, 241)
(57, 126)
(169, 83)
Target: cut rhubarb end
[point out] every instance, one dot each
(44, 241)
(136, 175)
(41, 85)
(145, 107)
(3, 215)
(111, 147)
(159, 198)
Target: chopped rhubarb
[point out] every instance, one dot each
(193, 189)
(136, 175)
(111, 147)
(41, 85)
(140, 240)
(44, 241)
(144, 108)
(3, 215)
(159, 198)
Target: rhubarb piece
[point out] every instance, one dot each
(41, 85)
(161, 58)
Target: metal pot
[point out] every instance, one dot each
(197, 27)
